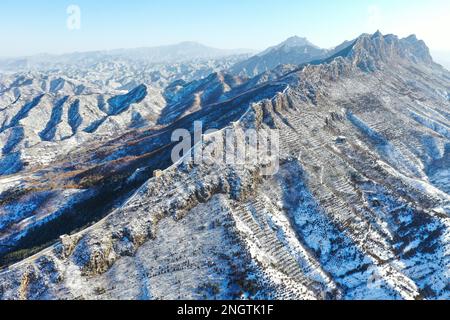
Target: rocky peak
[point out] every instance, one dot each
(369, 51)
(418, 49)
(297, 41)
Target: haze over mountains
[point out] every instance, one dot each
(358, 210)
(294, 50)
(182, 52)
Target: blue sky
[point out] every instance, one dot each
(38, 26)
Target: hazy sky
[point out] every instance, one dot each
(37, 26)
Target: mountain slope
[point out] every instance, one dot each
(358, 210)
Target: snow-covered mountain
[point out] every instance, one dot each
(295, 50)
(443, 58)
(290, 43)
(358, 210)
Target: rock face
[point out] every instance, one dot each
(359, 208)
